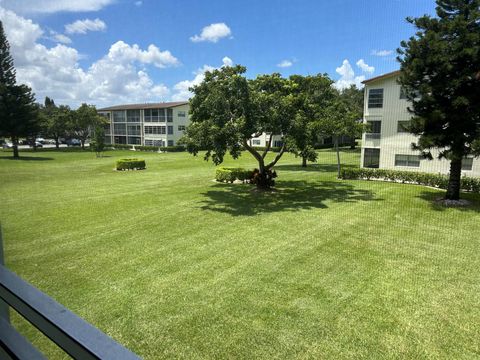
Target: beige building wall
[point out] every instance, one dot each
(391, 142)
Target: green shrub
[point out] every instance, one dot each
(130, 164)
(146, 148)
(230, 174)
(419, 178)
(119, 146)
(174, 148)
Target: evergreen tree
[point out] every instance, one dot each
(18, 111)
(440, 74)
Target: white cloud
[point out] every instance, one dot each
(181, 88)
(53, 6)
(365, 67)
(60, 38)
(82, 26)
(382, 52)
(227, 61)
(285, 63)
(138, 3)
(212, 33)
(118, 77)
(347, 77)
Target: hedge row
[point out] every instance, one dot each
(130, 164)
(175, 148)
(419, 178)
(230, 174)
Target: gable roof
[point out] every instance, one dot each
(381, 77)
(161, 105)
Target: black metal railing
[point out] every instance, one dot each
(74, 335)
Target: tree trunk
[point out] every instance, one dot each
(453, 189)
(57, 143)
(304, 161)
(338, 156)
(262, 180)
(352, 143)
(83, 144)
(15, 147)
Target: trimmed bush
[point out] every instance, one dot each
(130, 164)
(411, 177)
(119, 146)
(230, 174)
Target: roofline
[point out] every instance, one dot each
(144, 106)
(380, 77)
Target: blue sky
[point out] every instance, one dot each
(97, 51)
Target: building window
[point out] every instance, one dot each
(403, 94)
(181, 114)
(106, 128)
(155, 130)
(256, 142)
(154, 115)
(170, 142)
(181, 127)
(169, 115)
(134, 140)
(119, 129)
(371, 158)
(402, 126)
(119, 139)
(134, 129)
(467, 164)
(375, 98)
(278, 143)
(119, 116)
(151, 142)
(374, 130)
(170, 130)
(407, 160)
(133, 115)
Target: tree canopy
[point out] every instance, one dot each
(440, 74)
(227, 110)
(18, 111)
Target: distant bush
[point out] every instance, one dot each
(119, 146)
(262, 148)
(411, 177)
(230, 174)
(174, 148)
(130, 164)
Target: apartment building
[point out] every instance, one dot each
(154, 124)
(387, 145)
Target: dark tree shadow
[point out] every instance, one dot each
(244, 200)
(26, 158)
(432, 198)
(314, 167)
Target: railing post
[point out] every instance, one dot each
(4, 312)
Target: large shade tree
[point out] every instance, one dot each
(18, 111)
(84, 121)
(227, 110)
(56, 119)
(440, 74)
(313, 95)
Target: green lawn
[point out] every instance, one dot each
(174, 265)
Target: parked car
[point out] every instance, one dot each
(38, 144)
(73, 142)
(7, 145)
(40, 140)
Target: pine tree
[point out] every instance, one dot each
(18, 111)
(440, 74)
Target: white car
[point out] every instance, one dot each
(7, 145)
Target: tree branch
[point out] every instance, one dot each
(279, 155)
(252, 151)
(269, 144)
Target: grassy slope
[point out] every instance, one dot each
(172, 264)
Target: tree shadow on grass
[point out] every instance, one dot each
(243, 200)
(313, 167)
(26, 158)
(433, 196)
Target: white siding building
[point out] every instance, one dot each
(387, 145)
(157, 124)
